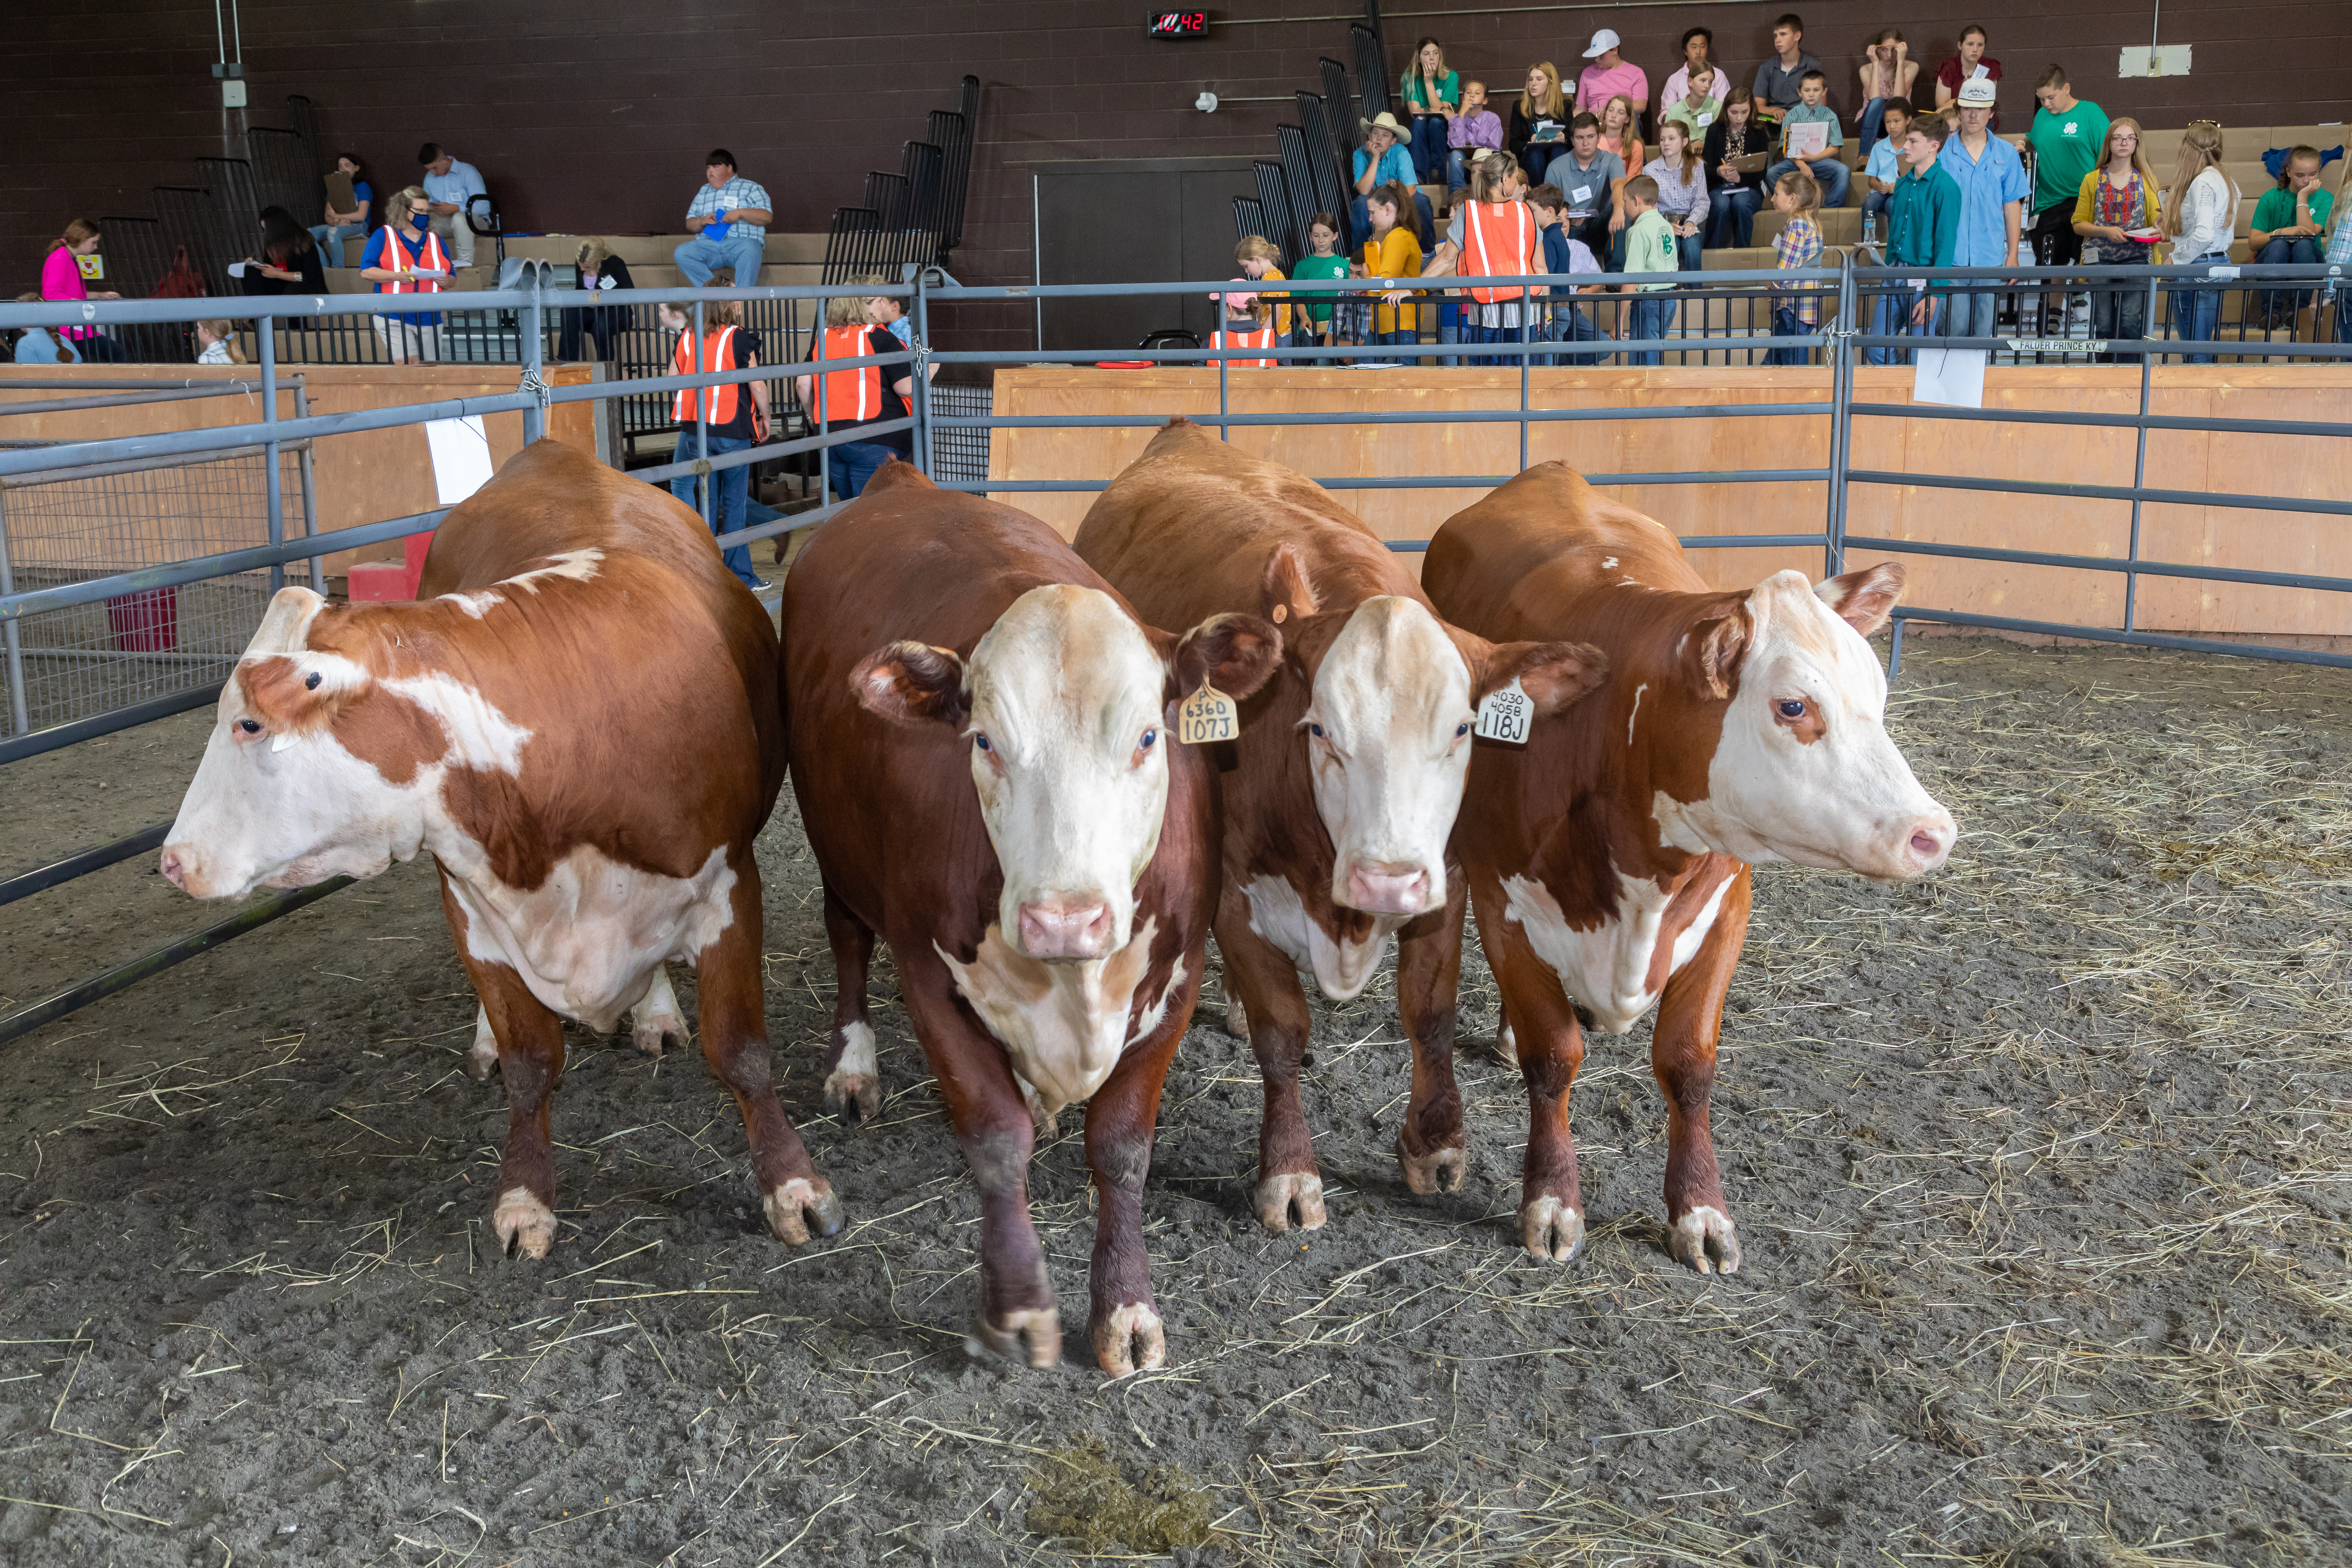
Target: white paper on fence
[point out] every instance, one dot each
(1809, 141)
(1953, 377)
(237, 269)
(461, 457)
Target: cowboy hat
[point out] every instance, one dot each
(1386, 122)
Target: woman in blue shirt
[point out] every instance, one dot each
(405, 256)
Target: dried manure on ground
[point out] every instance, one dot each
(2043, 1166)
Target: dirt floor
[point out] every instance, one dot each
(2044, 1169)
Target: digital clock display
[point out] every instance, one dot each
(1176, 24)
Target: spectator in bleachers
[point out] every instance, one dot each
(1649, 248)
(1311, 316)
(1381, 160)
(342, 225)
(290, 262)
(867, 395)
(1260, 260)
(1609, 75)
(1432, 95)
(1594, 182)
(734, 415)
(1564, 256)
(2286, 228)
(2200, 215)
(2115, 217)
(1738, 193)
(729, 219)
(1698, 49)
(40, 345)
(450, 188)
(1538, 132)
(1621, 137)
(1779, 80)
(1922, 231)
(1885, 164)
(1390, 251)
(1696, 108)
(1829, 170)
(61, 279)
(1474, 128)
(1247, 324)
(1993, 188)
(405, 256)
(218, 339)
(2066, 137)
(1956, 72)
(1681, 176)
(1798, 245)
(601, 271)
(1887, 72)
(1492, 235)
(2339, 254)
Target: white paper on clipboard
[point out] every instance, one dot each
(461, 457)
(1953, 377)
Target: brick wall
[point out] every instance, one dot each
(583, 117)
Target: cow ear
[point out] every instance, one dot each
(1553, 674)
(1284, 596)
(912, 683)
(299, 694)
(1864, 599)
(1236, 654)
(1715, 647)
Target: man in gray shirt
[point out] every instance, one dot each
(1593, 180)
(1778, 80)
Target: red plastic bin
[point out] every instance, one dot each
(145, 622)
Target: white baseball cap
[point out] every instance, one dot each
(1978, 90)
(1602, 42)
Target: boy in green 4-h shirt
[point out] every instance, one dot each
(1649, 248)
(2066, 137)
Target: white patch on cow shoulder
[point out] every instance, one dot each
(1340, 969)
(480, 735)
(588, 941)
(579, 565)
(1636, 713)
(1607, 969)
(476, 604)
(1063, 1026)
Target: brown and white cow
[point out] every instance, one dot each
(580, 726)
(1608, 860)
(1348, 771)
(982, 748)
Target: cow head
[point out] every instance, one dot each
(1069, 707)
(1804, 770)
(311, 770)
(1392, 694)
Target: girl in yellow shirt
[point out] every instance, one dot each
(1393, 251)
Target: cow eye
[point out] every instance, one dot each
(1316, 730)
(1462, 728)
(250, 726)
(1149, 736)
(1791, 707)
(981, 741)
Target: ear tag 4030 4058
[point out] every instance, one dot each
(1507, 714)
(1207, 715)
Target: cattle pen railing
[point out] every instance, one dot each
(1846, 292)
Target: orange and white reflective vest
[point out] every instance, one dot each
(847, 394)
(1499, 239)
(1262, 338)
(401, 257)
(717, 354)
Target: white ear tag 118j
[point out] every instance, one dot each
(1207, 715)
(1507, 714)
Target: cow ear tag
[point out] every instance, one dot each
(1207, 715)
(1507, 714)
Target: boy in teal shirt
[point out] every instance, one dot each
(1923, 230)
(1813, 109)
(1649, 248)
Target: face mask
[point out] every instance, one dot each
(421, 220)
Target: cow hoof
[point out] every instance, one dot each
(1032, 1337)
(1440, 1170)
(525, 1226)
(485, 1054)
(1551, 1230)
(1277, 1195)
(1237, 1019)
(654, 1035)
(790, 1207)
(848, 1092)
(1133, 1339)
(1707, 1240)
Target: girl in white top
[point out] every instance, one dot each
(2201, 214)
(1681, 174)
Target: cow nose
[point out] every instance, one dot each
(1388, 887)
(1928, 842)
(1066, 927)
(173, 868)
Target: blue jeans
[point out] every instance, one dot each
(1652, 314)
(1869, 124)
(1428, 149)
(330, 236)
(1538, 156)
(1875, 202)
(1833, 175)
(1687, 250)
(2279, 253)
(1427, 229)
(1457, 169)
(1571, 325)
(2196, 313)
(697, 256)
(1969, 315)
(731, 502)
(1890, 317)
(1786, 325)
(855, 462)
(1731, 215)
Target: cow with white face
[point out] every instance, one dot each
(575, 863)
(1608, 861)
(983, 744)
(1347, 772)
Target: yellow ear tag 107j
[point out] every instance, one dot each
(1207, 715)
(1507, 714)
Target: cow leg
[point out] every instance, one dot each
(655, 1022)
(732, 988)
(1549, 1042)
(1120, 1119)
(485, 1054)
(853, 1076)
(1019, 1317)
(1267, 984)
(1682, 1055)
(529, 1045)
(1430, 1145)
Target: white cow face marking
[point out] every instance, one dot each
(1067, 703)
(1805, 770)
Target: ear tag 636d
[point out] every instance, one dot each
(1507, 714)
(1207, 715)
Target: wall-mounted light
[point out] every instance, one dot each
(1206, 103)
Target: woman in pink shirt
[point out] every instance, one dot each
(61, 279)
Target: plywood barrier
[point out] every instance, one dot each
(2299, 466)
(364, 476)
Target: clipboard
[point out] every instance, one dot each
(340, 197)
(1807, 140)
(1752, 163)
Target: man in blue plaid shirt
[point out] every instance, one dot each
(2339, 253)
(728, 220)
